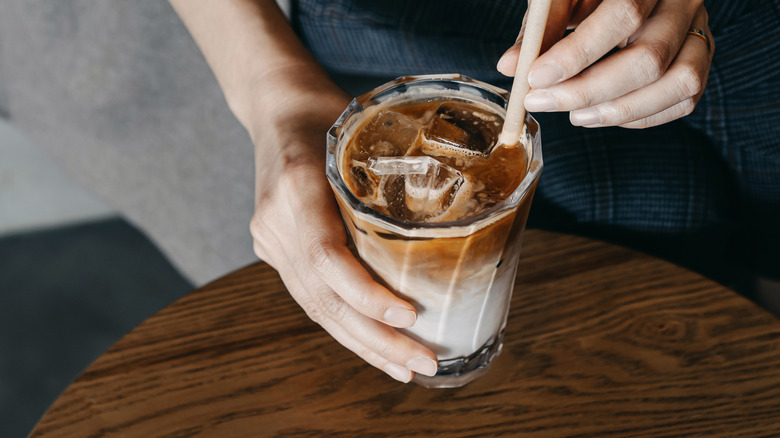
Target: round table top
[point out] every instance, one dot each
(601, 341)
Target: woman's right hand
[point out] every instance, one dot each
(297, 229)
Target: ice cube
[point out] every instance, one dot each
(388, 134)
(366, 182)
(457, 131)
(382, 149)
(401, 165)
(415, 188)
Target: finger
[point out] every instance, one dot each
(610, 23)
(343, 337)
(330, 310)
(383, 341)
(557, 21)
(337, 267)
(374, 342)
(701, 22)
(673, 96)
(675, 112)
(322, 242)
(394, 370)
(646, 59)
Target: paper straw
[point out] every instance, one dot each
(538, 10)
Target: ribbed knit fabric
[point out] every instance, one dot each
(402, 37)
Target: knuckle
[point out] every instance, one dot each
(364, 352)
(582, 98)
(315, 314)
(632, 15)
(319, 252)
(691, 82)
(367, 304)
(687, 106)
(583, 50)
(623, 112)
(638, 124)
(331, 306)
(384, 348)
(654, 60)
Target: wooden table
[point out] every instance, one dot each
(601, 341)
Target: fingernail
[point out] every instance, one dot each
(585, 117)
(398, 372)
(505, 65)
(544, 76)
(400, 317)
(422, 365)
(540, 101)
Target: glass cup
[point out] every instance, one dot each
(460, 274)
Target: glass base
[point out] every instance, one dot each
(453, 373)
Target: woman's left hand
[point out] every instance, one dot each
(657, 76)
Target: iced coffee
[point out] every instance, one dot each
(436, 211)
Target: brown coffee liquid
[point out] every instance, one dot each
(384, 162)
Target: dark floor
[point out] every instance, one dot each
(66, 295)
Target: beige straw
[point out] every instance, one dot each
(529, 51)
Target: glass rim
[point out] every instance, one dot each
(418, 228)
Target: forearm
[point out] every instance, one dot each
(261, 65)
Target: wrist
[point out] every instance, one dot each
(291, 108)
(288, 127)
(285, 92)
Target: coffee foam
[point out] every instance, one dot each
(436, 149)
(464, 207)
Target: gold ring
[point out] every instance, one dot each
(700, 33)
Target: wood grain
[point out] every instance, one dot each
(601, 341)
